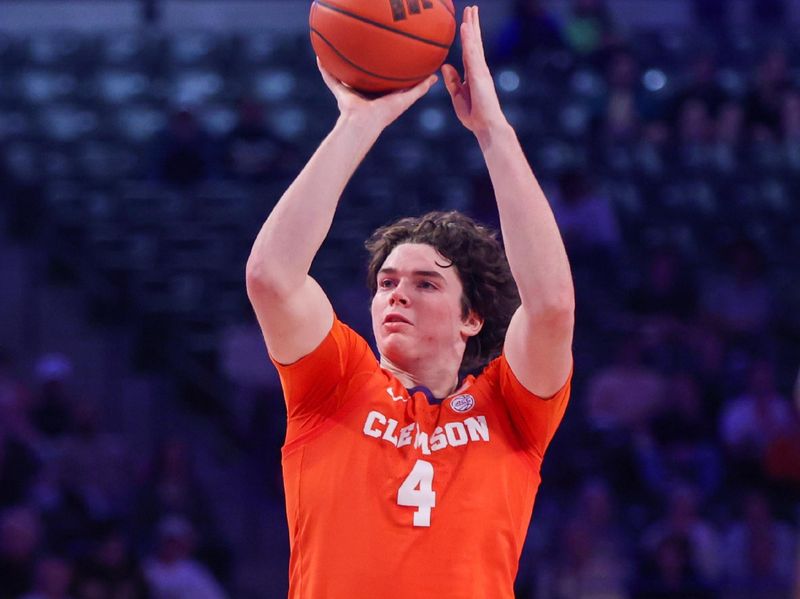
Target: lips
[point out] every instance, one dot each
(395, 317)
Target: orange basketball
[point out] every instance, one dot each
(382, 45)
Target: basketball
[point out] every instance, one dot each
(382, 45)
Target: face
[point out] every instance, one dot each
(417, 312)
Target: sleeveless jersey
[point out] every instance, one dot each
(391, 494)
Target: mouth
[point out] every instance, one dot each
(395, 318)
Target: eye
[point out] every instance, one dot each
(426, 285)
(385, 283)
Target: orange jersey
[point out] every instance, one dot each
(393, 494)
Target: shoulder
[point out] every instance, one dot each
(498, 377)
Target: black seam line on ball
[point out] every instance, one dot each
(381, 25)
(447, 8)
(363, 70)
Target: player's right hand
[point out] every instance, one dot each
(377, 112)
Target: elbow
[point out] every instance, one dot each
(263, 281)
(558, 305)
(555, 314)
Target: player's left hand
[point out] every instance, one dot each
(474, 99)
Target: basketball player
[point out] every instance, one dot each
(401, 480)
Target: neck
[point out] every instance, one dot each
(441, 381)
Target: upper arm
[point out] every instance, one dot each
(293, 323)
(539, 350)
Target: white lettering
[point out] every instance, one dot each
(405, 435)
(452, 434)
(421, 441)
(461, 438)
(389, 434)
(478, 428)
(372, 417)
(438, 439)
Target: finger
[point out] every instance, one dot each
(465, 48)
(477, 30)
(332, 82)
(452, 81)
(474, 60)
(326, 76)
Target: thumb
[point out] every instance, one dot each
(421, 88)
(452, 81)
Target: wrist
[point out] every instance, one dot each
(494, 132)
(361, 125)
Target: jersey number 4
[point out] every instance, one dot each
(417, 491)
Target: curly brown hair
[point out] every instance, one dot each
(479, 259)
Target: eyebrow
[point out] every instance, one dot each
(417, 273)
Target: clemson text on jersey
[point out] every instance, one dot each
(452, 434)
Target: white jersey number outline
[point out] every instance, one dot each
(417, 491)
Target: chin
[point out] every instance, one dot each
(396, 349)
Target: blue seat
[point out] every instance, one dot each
(138, 123)
(42, 86)
(196, 86)
(68, 122)
(116, 86)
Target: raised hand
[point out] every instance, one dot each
(379, 112)
(474, 99)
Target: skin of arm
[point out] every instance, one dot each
(538, 344)
(294, 313)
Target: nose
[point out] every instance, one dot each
(398, 296)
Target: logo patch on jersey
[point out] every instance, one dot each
(462, 403)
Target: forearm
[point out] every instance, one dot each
(533, 243)
(293, 233)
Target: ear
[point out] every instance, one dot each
(472, 324)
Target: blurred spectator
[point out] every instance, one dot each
(677, 447)
(797, 393)
(12, 390)
(110, 571)
(52, 407)
(750, 423)
(710, 14)
(694, 122)
(729, 136)
(684, 522)
(701, 85)
(184, 152)
(53, 579)
(739, 301)
(20, 535)
(589, 29)
(667, 289)
(252, 151)
(598, 510)
(585, 217)
(532, 27)
(770, 14)
(21, 202)
(759, 553)
(582, 569)
(625, 394)
(96, 465)
(18, 467)
(15, 403)
(172, 486)
(619, 116)
(790, 116)
(695, 136)
(667, 573)
(172, 573)
(763, 103)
